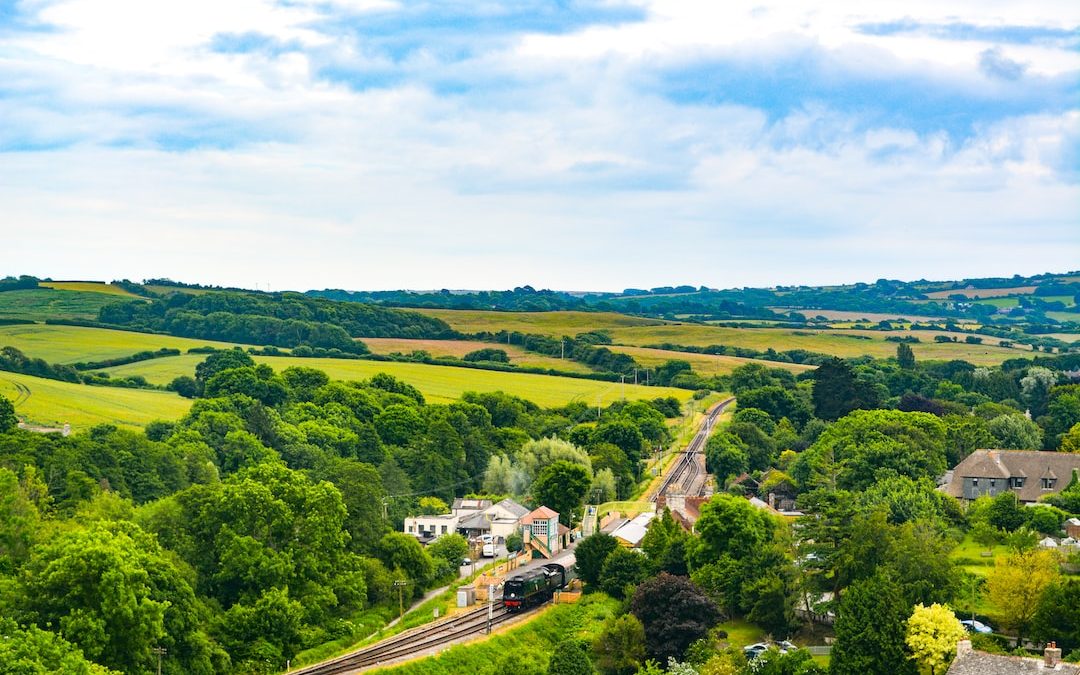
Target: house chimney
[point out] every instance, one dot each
(1052, 655)
(963, 647)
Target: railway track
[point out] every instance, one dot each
(415, 641)
(688, 477)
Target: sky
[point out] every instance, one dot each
(574, 145)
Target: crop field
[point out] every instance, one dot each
(70, 344)
(839, 343)
(842, 315)
(50, 403)
(703, 364)
(555, 324)
(439, 384)
(459, 348)
(983, 292)
(38, 304)
(88, 287)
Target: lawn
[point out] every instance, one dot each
(439, 384)
(38, 304)
(70, 344)
(51, 403)
(459, 348)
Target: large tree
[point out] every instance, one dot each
(674, 613)
(870, 626)
(591, 552)
(837, 391)
(932, 634)
(562, 486)
(1016, 585)
(8, 420)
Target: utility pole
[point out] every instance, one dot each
(622, 389)
(160, 651)
(491, 605)
(400, 584)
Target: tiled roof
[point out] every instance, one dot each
(513, 507)
(542, 513)
(1031, 464)
(981, 663)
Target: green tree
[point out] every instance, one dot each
(674, 613)
(222, 360)
(623, 570)
(1006, 513)
(450, 547)
(1015, 432)
(730, 525)
(591, 552)
(905, 356)
(837, 391)
(725, 456)
(8, 420)
(870, 626)
(932, 634)
(1016, 585)
(562, 486)
(986, 535)
(570, 658)
(31, 650)
(1058, 615)
(402, 552)
(620, 646)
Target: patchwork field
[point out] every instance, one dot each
(555, 324)
(703, 364)
(70, 344)
(440, 384)
(459, 348)
(38, 304)
(842, 315)
(50, 403)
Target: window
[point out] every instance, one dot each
(993, 482)
(444, 529)
(1048, 483)
(974, 482)
(1018, 482)
(410, 529)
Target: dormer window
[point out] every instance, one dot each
(1017, 481)
(1048, 483)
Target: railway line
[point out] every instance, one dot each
(689, 477)
(412, 642)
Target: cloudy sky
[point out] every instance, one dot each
(573, 145)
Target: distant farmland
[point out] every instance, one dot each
(69, 344)
(38, 304)
(50, 403)
(555, 324)
(703, 364)
(440, 384)
(459, 348)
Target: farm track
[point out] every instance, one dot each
(689, 476)
(22, 389)
(412, 642)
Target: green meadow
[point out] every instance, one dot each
(70, 344)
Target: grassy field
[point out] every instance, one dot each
(842, 315)
(983, 292)
(69, 344)
(839, 343)
(52, 404)
(703, 364)
(89, 287)
(439, 384)
(459, 348)
(39, 304)
(525, 644)
(555, 324)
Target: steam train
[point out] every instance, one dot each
(537, 585)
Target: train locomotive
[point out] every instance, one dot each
(537, 585)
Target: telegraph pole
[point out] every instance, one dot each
(491, 605)
(160, 651)
(400, 584)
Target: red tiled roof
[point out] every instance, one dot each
(542, 513)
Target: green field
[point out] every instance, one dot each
(50, 403)
(70, 344)
(39, 304)
(459, 348)
(89, 287)
(439, 384)
(556, 324)
(703, 364)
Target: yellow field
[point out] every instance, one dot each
(983, 292)
(50, 403)
(459, 348)
(703, 364)
(439, 384)
(70, 344)
(555, 324)
(88, 286)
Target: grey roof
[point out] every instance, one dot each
(475, 522)
(513, 507)
(470, 504)
(981, 663)
(1026, 463)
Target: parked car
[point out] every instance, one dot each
(974, 626)
(755, 650)
(466, 561)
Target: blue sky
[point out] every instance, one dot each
(575, 145)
